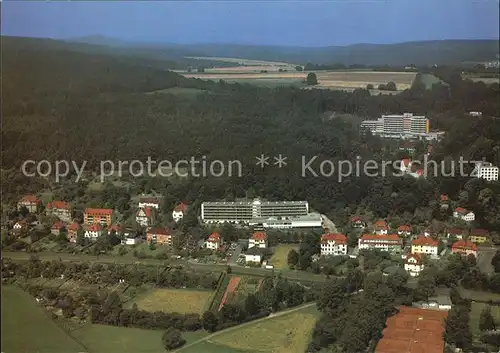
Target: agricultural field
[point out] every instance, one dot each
(182, 301)
(27, 328)
(280, 257)
(287, 333)
(475, 313)
(337, 80)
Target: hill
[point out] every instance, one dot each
(442, 52)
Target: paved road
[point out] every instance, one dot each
(236, 255)
(485, 254)
(327, 223)
(48, 256)
(237, 327)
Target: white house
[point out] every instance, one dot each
(214, 241)
(425, 245)
(145, 216)
(333, 244)
(486, 170)
(253, 255)
(130, 238)
(179, 211)
(414, 264)
(258, 239)
(152, 202)
(456, 232)
(391, 242)
(357, 222)
(93, 231)
(463, 214)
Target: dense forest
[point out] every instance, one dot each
(62, 104)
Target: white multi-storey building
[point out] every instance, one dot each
(382, 242)
(246, 211)
(152, 202)
(258, 239)
(405, 125)
(414, 264)
(333, 244)
(486, 171)
(463, 214)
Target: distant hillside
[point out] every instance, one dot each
(418, 53)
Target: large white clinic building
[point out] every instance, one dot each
(404, 125)
(268, 214)
(486, 170)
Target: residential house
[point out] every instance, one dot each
(179, 211)
(60, 209)
(381, 227)
(463, 214)
(145, 216)
(214, 241)
(456, 232)
(357, 222)
(253, 255)
(152, 202)
(56, 227)
(100, 216)
(31, 202)
(392, 242)
(444, 201)
(159, 235)
(479, 236)
(404, 230)
(20, 227)
(405, 165)
(425, 245)
(73, 232)
(116, 228)
(258, 239)
(464, 247)
(333, 244)
(93, 231)
(414, 264)
(131, 238)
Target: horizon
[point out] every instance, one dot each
(275, 23)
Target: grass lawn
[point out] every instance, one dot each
(280, 256)
(27, 328)
(429, 79)
(174, 300)
(475, 314)
(289, 333)
(212, 347)
(478, 295)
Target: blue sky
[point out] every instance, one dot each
(297, 23)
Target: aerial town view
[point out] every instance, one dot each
(250, 176)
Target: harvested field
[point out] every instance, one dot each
(248, 62)
(486, 80)
(326, 79)
(182, 301)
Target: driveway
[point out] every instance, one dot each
(236, 254)
(327, 223)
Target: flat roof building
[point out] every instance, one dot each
(245, 211)
(404, 125)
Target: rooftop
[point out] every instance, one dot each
(425, 241)
(337, 238)
(181, 207)
(59, 205)
(99, 211)
(254, 202)
(413, 330)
